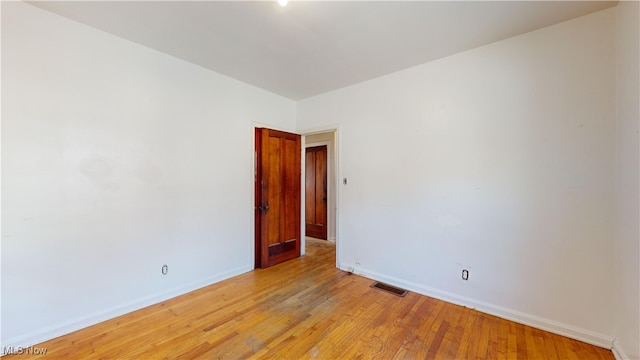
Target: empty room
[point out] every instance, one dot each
(320, 179)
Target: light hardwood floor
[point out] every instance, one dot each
(307, 309)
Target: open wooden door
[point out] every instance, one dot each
(277, 203)
(316, 192)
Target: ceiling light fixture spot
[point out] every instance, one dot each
(283, 3)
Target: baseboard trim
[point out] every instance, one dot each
(98, 317)
(505, 313)
(618, 353)
(555, 327)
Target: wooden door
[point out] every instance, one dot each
(316, 192)
(277, 203)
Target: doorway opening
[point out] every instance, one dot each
(320, 190)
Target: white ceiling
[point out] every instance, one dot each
(311, 47)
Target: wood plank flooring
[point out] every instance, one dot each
(307, 309)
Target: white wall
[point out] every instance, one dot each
(117, 159)
(498, 160)
(627, 236)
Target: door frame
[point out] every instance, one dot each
(338, 176)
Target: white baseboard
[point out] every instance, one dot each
(555, 327)
(519, 317)
(618, 353)
(52, 332)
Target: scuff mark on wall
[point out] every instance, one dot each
(100, 171)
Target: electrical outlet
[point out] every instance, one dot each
(165, 269)
(465, 274)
